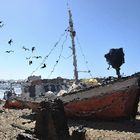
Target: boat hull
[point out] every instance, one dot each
(122, 104)
(113, 101)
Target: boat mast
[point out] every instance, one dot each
(72, 34)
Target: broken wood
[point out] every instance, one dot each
(26, 129)
(24, 136)
(51, 122)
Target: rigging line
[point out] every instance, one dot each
(52, 49)
(86, 62)
(67, 57)
(68, 5)
(59, 57)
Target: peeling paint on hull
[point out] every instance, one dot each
(115, 105)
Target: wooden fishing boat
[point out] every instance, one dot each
(112, 101)
(115, 100)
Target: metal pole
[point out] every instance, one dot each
(72, 34)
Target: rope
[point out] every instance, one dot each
(59, 57)
(67, 57)
(46, 57)
(86, 62)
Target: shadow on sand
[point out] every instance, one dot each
(121, 125)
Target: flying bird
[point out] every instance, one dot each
(33, 48)
(37, 57)
(26, 49)
(9, 51)
(10, 41)
(1, 25)
(43, 66)
(28, 58)
(70, 47)
(30, 62)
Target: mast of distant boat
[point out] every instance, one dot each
(72, 34)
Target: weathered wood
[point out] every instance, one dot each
(51, 122)
(27, 130)
(24, 136)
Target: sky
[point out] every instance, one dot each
(99, 24)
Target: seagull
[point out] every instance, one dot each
(37, 57)
(10, 41)
(43, 66)
(9, 51)
(1, 25)
(33, 48)
(70, 47)
(26, 49)
(30, 62)
(28, 57)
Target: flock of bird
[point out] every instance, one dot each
(26, 49)
(10, 42)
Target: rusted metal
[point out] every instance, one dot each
(116, 105)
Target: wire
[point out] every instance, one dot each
(67, 57)
(59, 57)
(53, 48)
(86, 62)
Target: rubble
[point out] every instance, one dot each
(51, 123)
(79, 133)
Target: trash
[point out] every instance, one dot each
(62, 92)
(91, 82)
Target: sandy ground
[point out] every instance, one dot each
(95, 130)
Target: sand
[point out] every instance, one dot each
(95, 130)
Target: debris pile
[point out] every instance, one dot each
(51, 123)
